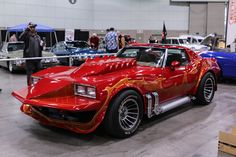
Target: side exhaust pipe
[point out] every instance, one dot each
(155, 108)
(174, 103)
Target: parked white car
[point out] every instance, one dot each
(184, 42)
(192, 39)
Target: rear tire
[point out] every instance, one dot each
(206, 90)
(124, 114)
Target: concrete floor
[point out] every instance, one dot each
(188, 131)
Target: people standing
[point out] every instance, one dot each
(33, 48)
(121, 39)
(111, 40)
(94, 41)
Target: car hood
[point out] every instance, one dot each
(91, 72)
(19, 54)
(92, 67)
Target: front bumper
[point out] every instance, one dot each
(61, 111)
(75, 126)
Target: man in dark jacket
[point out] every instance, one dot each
(33, 48)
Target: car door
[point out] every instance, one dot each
(176, 79)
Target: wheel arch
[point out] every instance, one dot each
(200, 78)
(138, 91)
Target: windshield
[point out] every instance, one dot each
(144, 55)
(15, 47)
(77, 44)
(183, 41)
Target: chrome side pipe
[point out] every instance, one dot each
(154, 107)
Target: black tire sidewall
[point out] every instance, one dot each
(112, 124)
(200, 98)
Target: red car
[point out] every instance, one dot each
(118, 91)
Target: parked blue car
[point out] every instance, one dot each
(66, 48)
(226, 61)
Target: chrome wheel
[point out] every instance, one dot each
(128, 114)
(208, 89)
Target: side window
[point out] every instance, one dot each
(184, 58)
(194, 41)
(175, 41)
(177, 55)
(168, 41)
(60, 46)
(189, 39)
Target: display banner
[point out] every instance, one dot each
(231, 22)
(69, 34)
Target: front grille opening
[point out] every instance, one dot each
(58, 114)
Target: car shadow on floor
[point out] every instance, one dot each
(57, 135)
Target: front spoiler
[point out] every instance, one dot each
(69, 103)
(83, 128)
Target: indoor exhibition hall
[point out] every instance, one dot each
(118, 78)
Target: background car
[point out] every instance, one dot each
(118, 91)
(226, 61)
(11, 50)
(192, 39)
(67, 48)
(184, 42)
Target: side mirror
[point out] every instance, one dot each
(175, 64)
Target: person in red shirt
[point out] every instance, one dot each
(94, 41)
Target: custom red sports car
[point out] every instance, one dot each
(118, 91)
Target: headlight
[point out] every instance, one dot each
(34, 80)
(86, 91)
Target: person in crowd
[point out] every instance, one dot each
(111, 40)
(33, 48)
(94, 41)
(13, 38)
(107, 31)
(121, 39)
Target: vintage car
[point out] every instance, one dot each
(184, 42)
(118, 91)
(192, 39)
(67, 48)
(11, 50)
(226, 61)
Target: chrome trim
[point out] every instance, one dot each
(156, 109)
(174, 103)
(165, 58)
(128, 114)
(149, 105)
(208, 89)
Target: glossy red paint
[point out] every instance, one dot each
(110, 75)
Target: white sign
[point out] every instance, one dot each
(231, 22)
(69, 34)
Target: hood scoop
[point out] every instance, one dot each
(103, 65)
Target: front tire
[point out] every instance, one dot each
(124, 114)
(206, 90)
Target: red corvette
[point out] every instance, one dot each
(118, 91)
